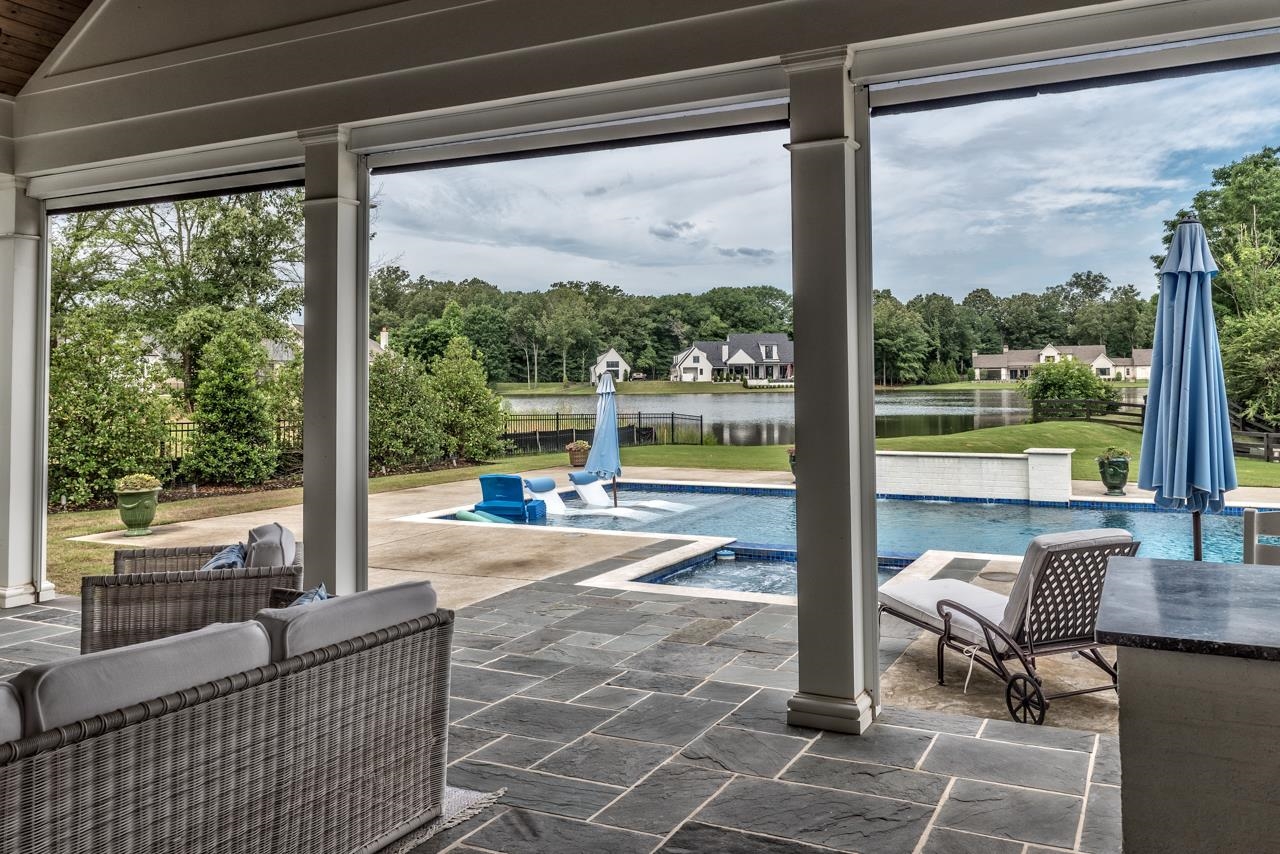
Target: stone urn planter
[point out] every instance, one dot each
(1113, 467)
(578, 452)
(791, 458)
(136, 499)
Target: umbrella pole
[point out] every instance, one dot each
(1197, 535)
(615, 490)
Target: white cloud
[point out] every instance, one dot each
(1011, 195)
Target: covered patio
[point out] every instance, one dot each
(144, 101)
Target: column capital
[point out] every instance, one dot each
(328, 135)
(836, 57)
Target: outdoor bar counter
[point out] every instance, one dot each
(1199, 663)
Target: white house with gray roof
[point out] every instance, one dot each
(755, 356)
(1017, 364)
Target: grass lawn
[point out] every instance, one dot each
(641, 387)
(1087, 438)
(68, 560)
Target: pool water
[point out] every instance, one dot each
(750, 574)
(912, 527)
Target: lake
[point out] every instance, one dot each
(768, 418)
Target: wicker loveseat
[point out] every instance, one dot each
(156, 593)
(335, 747)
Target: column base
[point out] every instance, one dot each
(837, 714)
(24, 594)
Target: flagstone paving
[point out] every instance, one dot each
(620, 722)
(680, 744)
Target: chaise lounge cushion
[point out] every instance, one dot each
(1037, 558)
(294, 631)
(73, 689)
(920, 600)
(270, 545)
(10, 714)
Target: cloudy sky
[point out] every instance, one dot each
(1010, 195)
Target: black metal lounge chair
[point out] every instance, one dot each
(1051, 610)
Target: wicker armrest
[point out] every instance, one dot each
(118, 610)
(283, 597)
(179, 559)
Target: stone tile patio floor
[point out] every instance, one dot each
(636, 722)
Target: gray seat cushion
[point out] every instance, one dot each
(270, 545)
(1041, 549)
(73, 689)
(919, 599)
(294, 631)
(10, 713)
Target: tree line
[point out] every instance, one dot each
(163, 313)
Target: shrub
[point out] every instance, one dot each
(235, 440)
(137, 483)
(1066, 380)
(940, 373)
(106, 419)
(467, 412)
(402, 430)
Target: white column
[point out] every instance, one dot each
(335, 439)
(24, 315)
(835, 396)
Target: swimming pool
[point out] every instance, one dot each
(909, 528)
(749, 574)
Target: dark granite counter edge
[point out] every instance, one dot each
(1191, 645)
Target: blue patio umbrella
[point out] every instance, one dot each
(1186, 436)
(605, 460)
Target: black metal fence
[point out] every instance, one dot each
(534, 433)
(182, 433)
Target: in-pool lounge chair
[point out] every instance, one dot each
(503, 495)
(1051, 610)
(1261, 523)
(544, 489)
(591, 490)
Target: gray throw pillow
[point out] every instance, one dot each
(270, 545)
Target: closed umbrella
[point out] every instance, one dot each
(1186, 436)
(605, 458)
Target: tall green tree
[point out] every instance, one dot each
(106, 418)
(464, 409)
(403, 428)
(1251, 362)
(1244, 192)
(235, 440)
(901, 344)
(485, 326)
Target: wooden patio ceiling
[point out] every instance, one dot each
(29, 31)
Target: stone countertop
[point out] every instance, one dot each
(1184, 606)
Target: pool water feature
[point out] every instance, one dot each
(909, 528)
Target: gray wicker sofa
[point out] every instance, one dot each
(318, 728)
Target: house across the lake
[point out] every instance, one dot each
(754, 356)
(1017, 364)
(610, 361)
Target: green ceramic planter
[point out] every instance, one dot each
(1115, 474)
(137, 509)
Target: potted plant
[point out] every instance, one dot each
(578, 452)
(791, 458)
(136, 501)
(1113, 466)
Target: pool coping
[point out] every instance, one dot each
(626, 578)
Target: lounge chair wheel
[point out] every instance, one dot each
(1025, 699)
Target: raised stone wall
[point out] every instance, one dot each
(1037, 474)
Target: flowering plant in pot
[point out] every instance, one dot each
(1113, 466)
(578, 450)
(136, 500)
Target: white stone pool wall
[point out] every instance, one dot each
(1037, 474)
